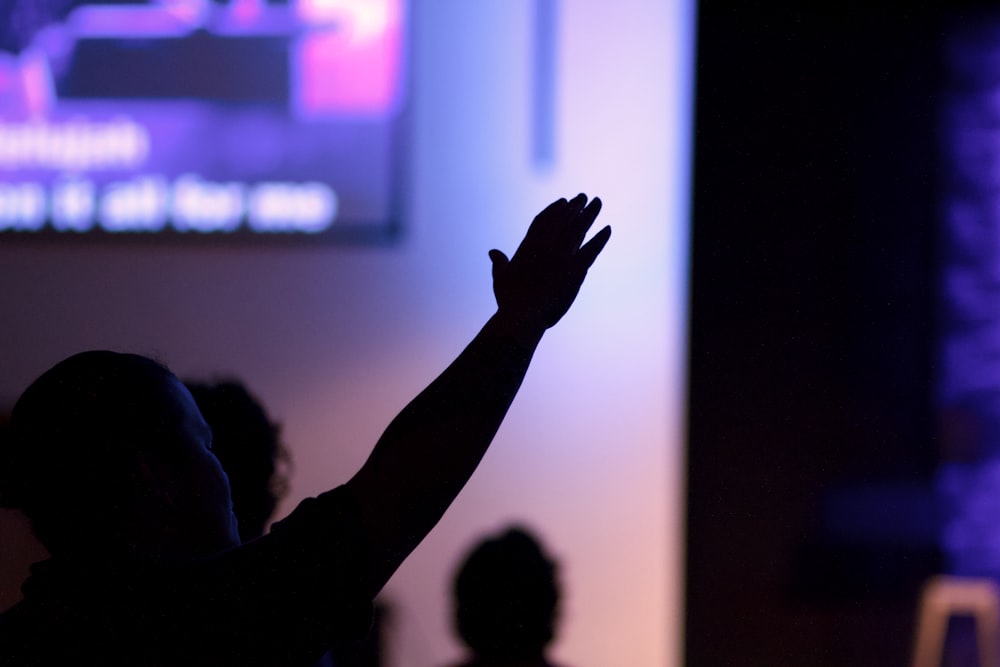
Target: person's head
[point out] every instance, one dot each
(506, 597)
(108, 455)
(248, 445)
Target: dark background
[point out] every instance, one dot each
(812, 438)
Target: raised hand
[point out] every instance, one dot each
(536, 287)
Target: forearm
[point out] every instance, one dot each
(433, 446)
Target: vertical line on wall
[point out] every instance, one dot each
(543, 81)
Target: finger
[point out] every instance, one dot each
(557, 204)
(589, 252)
(562, 206)
(552, 211)
(584, 221)
(577, 203)
(559, 226)
(541, 226)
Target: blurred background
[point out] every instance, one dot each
(504, 107)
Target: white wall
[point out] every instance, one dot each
(336, 340)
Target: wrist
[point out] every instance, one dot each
(519, 329)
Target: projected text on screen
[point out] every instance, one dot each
(200, 118)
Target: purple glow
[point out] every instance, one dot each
(166, 19)
(969, 378)
(346, 55)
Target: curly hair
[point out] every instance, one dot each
(248, 445)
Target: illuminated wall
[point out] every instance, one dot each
(336, 339)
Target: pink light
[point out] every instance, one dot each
(364, 17)
(38, 89)
(354, 68)
(246, 11)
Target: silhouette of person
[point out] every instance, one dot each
(111, 461)
(248, 445)
(506, 601)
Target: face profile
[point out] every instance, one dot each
(116, 436)
(197, 467)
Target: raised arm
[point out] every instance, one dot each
(432, 447)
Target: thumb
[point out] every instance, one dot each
(500, 262)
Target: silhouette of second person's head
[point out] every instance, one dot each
(247, 443)
(108, 456)
(506, 600)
